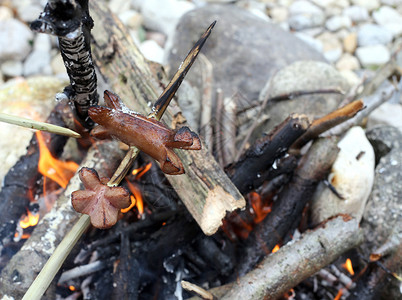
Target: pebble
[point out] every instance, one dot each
(304, 14)
(390, 19)
(37, 62)
(12, 68)
(350, 42)
(152, 51)
(5, 13)
(119, 6)
(337, 22)
(29, 12)
(312, 42)
(15, 37)
(372, 34)
(347, 62)
(368, 4)
(356, 13)
(279, 14)
(164, 15)
(131, 18)
(373, 56)
(387, 114)
(332, 47)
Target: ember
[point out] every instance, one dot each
(29, 220)
(348, 266)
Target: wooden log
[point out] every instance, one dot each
(20, 272)
(205, 189)
(287, 209)
(298, 260)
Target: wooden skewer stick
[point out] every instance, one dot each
(42, 126)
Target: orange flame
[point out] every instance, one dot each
(59, 171)
(141, 171)
(29, 220)
(136, 199)
(339, 295)
(348, 266)
(71, 288)
(276, 248)
(259, 208)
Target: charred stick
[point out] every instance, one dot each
(263, 153)
(329, 121)
(206, 100)
(295, 262)
(82, 271)
(188, 286)
(229, 130)
(286, 211)
(70, 21)
(296, 94)
(218, 128)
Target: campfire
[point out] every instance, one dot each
(146, 212)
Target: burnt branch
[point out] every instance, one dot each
(263, 153)
(287, 209)
(71, 23)
(329, 121)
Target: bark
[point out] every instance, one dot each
(263, 153)
(20, 272)
(206, 190)
(296, 261)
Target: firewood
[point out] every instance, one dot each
(294, 262)
(51, 229)
(287, 209)
(205, 189)
(263, 153)
(23, 177)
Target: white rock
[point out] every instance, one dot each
(12, 68)
(5, 13)
(351, 77)
(347, 62)
(391, 2)
(372, 34)
(119, 6)
(38, 62)
(15, 37)
(368, 4)
(390, 19)
(131, 18)
(163, 16)
(279, 14)
(303, 14)
(337, 22)
(42, 42)
(57, 65)
(388, 114)
(332, 47)
(312, 42)
(356, 13)
(373, 56)
(352, 175)
(152, 51)
(29, 11)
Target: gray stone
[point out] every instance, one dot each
(371, 34)
(15, 37)
(373, 56)
(304, 76)
(390, 19)
(387, 114)
(383, 212)
(303, 14)
(244, 50)
(312, 42)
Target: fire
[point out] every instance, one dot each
(29, 220)
(71, 288)
(348, 266)
(136, 199)
(59, 171)
(141, 171)
(339, 295)
(260, 210)
(276, 248)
